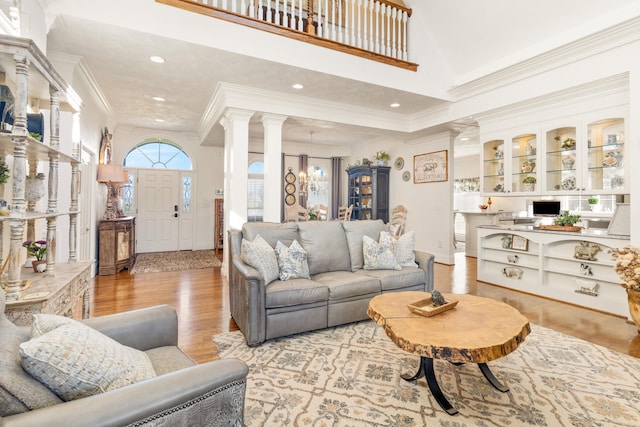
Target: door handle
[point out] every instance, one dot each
(175, 208)
(175, 215)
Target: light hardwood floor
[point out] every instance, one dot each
(201, 300)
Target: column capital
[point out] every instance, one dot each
(268, 119)
(235, 114)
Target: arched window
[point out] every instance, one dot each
(157, 153)
(255, 192)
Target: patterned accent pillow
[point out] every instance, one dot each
(75, 361)
(378, 256)
(261, 256)
(402, 247)
(292, 261)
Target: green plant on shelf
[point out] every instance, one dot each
(593, 200)
(568, 144)
(567, 219)
(529, 180)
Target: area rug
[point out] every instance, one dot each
(157, 262)
(350, 376)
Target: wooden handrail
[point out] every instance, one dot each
(249, 21)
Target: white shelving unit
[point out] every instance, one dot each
(559, 265)
(30, 76)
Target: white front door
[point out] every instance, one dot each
(157, 222)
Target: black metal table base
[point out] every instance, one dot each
(426, 369)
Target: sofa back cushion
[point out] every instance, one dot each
(355, 231)
(326, 246)
(286, 232)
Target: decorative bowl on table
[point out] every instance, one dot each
(483, 207)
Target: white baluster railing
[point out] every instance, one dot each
(371, 25)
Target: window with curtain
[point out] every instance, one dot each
(255, 190)
(317, 186)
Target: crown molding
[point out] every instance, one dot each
(610, 86)
(229, 95)
(75, 63)
(594, 44)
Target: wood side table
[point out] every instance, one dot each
(478, 330)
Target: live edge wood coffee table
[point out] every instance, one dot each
(478, 330)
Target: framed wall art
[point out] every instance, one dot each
(430, 167)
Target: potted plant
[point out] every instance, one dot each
(566, 219)
(38, 250)
(382, 157)
(568, 144)
(529, 183)
(594, 203)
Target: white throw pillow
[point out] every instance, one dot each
(75, 361)
(403, 247)
(261, 256)
(378, 256)
(292, 261)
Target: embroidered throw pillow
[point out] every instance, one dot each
(75, 361)
(402, 247)
(378, 256)
(261, 256)
(292, 261)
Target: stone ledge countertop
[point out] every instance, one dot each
(583, 232)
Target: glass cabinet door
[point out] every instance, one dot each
(605, 155)
(523, 163)
(562, 160)
(493, 166)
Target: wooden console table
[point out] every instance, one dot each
(52, 294)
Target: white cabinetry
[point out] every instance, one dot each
(587, 158)
(509, 164)
(30, 77)
(570, 267)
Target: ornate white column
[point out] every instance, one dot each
(236, 161)
(272, 124)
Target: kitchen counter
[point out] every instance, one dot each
(584, 232)
(473, 220)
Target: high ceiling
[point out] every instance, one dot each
(473, 38)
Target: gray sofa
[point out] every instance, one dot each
(183, 393)
(339, 289)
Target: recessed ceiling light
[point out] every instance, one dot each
(157, 59)
(297, 86)
(158, 98)
(464, 139)
(394, 105)
(160, 120)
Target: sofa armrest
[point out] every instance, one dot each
(208, 394)
(425, 261)
(247, 301)
(142, 329)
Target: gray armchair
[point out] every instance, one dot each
(182, 394)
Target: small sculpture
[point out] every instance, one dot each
(512, 272)
(437, 298)
(585, 269)
(586, 251)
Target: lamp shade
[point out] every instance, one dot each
(110, 173)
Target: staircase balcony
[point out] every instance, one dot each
(372, 29)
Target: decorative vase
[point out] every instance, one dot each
(39, 266)
(529, 187)
(35, 188)
(382, 163)
(633, 297)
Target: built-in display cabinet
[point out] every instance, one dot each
(584, 155)
(571, 267)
